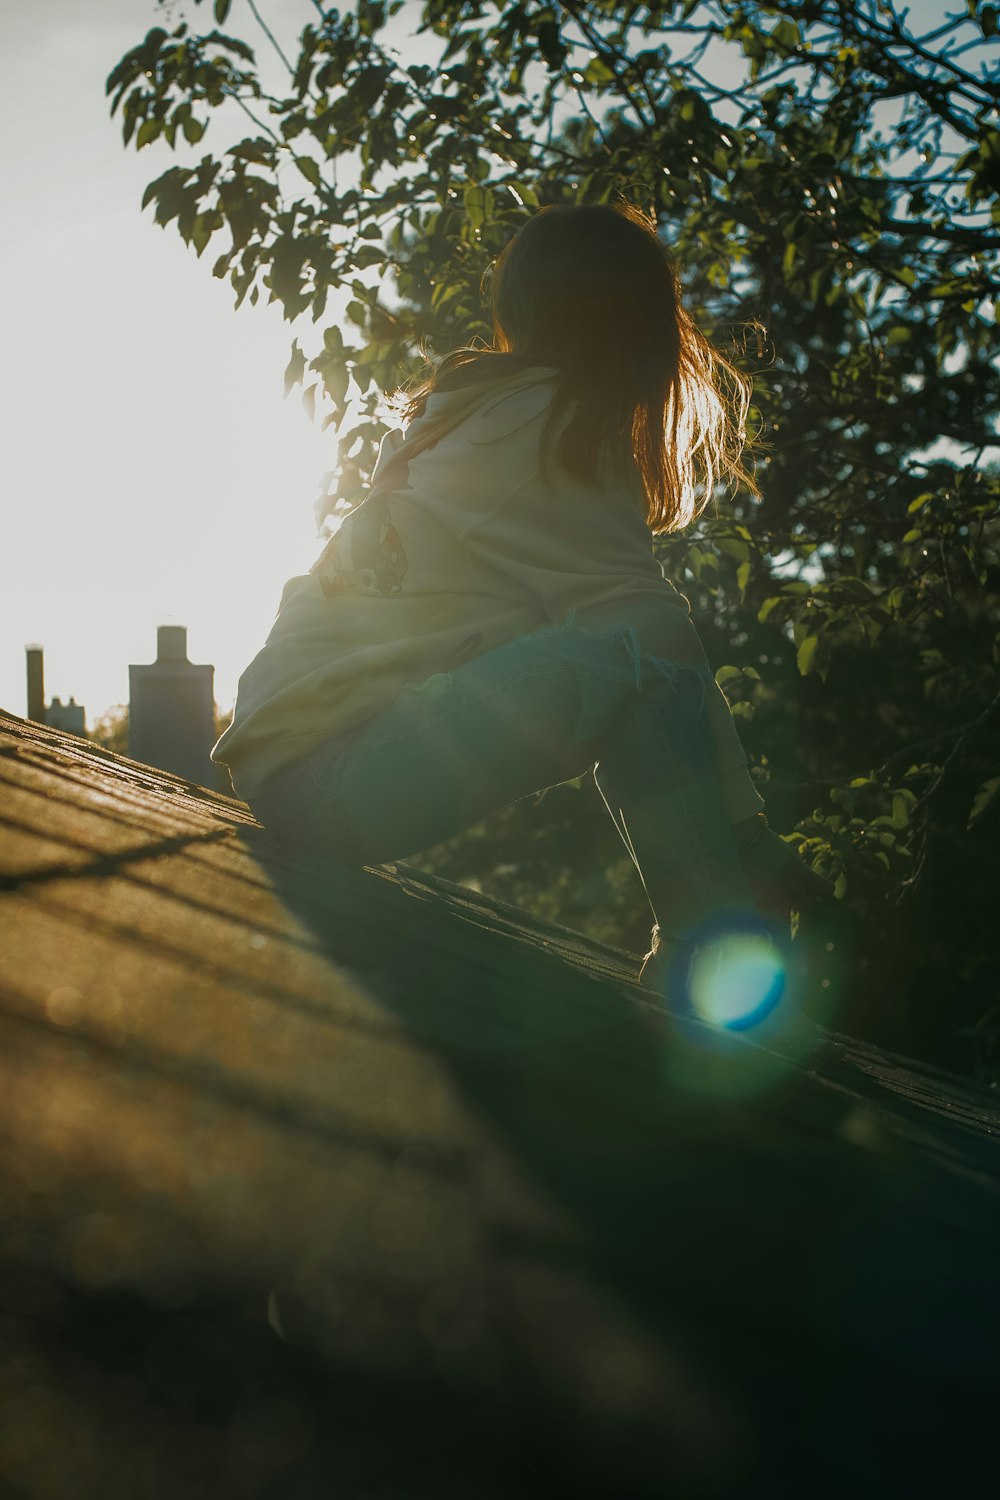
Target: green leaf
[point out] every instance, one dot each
(296, 367)
(148, 131)
(202, 230)
(478, 203)
(597, 74)
(786, 35)
(221, 11)
(983, 798)
(855, 588)
(166, 188)
(367, 87)
(903, 804)
(806, 655)
(369, 255)
(551, 45)
(309, 169)
(336, 381)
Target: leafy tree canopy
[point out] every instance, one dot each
(827, 174)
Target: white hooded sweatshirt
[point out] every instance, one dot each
(459, 547)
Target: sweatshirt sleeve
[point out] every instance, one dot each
(588, 553)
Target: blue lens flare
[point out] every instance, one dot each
(736, 980)
(733, 991)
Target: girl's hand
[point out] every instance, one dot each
(780, 882)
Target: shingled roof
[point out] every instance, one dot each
(366, 1185)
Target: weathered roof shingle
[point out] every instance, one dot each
(518, 1231)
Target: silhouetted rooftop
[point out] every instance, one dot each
(365, 1185)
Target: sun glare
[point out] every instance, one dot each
(736, 980)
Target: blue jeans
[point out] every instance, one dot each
(543, 709)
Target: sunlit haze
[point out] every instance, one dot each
(151, 471)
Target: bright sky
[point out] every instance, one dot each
(150, 471)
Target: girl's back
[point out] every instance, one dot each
(461, 545)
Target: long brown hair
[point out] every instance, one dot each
(589, 290)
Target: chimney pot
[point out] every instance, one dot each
(36, 683)
(171, 643)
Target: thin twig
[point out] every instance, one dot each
(604, 49)
(260, 124)
(968, 730)
(962, 731)
(270, 36)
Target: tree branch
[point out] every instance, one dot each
(270, 35)
(609, 54)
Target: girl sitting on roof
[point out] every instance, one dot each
(491, 620)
